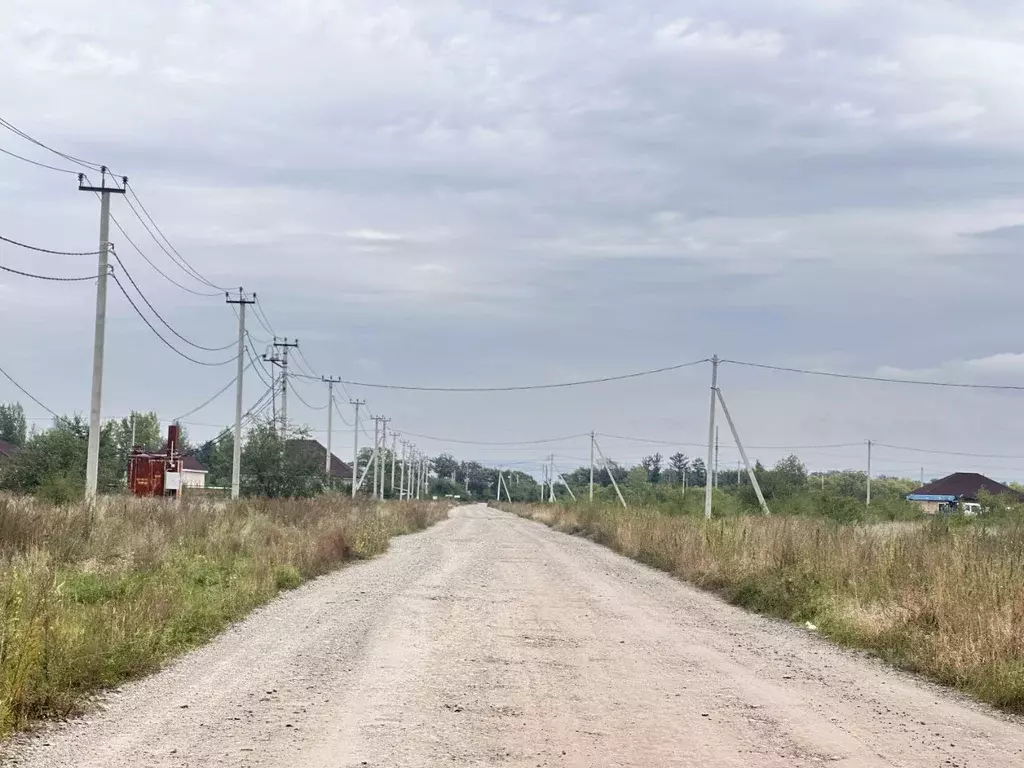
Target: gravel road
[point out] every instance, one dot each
(490, 640)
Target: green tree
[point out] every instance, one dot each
(13, 425)
(679, 465)
(53, 461)
(446, 466)
(277, 468)
(217, 456)
(652, 464)
(697, 473)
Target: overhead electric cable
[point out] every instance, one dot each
(84, 163)
(159, 271)
(214, 397)
(36, 162)
(157, 333)
(47, 250)
(160, 317)
(522, 388)
(184, 263)
(883, 379)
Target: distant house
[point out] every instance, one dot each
(7, 450)
(315, 451)
(949, 492)
(193, 474)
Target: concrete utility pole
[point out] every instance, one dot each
(92, 462)
(394, 457)
(380, 453)
(711, 438)
(551, 475)
(592, 438)
(355, 447)
(330, 382)
(376, 452)
(401, 479)
(282, 360)
(716, 457)
(236, 453)
(869, 473)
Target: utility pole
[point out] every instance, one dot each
(922, 477)
(716, 457)
(236, 452)
(592, 438)
(394, 457)
(401, 480)
(739, 472)
(711, 438)
(355, 447)
(869, 473)
(380, 453)
(282, 360)
(551, 476)
(92, 463)
(330, 382)
(376, 451)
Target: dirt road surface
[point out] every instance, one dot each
(493, 641)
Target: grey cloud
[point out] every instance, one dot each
(573, 195)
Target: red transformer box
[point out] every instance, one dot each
(157, 474)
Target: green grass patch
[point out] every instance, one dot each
(86, 605)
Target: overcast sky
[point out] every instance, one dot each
(485, 193)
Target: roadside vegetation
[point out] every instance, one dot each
(87, 604)
(941, 597)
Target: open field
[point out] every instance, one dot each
(86, 606)
(942, 598)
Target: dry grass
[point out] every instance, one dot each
(942, 598)
(84, 607)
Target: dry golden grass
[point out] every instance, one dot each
(85, 606)
(943, 598)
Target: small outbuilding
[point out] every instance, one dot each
(951, 492)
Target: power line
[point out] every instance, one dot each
(159, 271)
(160, 317)
(309, 368)
(182, 264)
(48, 277)
(302, 400)
(946, 453)
(158, 334)
(560, 385)
(260, 368)
(187, 266)
(512, 443)
(883, 379)
(84, 163)
(218, 394)
(261, 316)
(337, 409)
(670, 443)
(29, 395)
(36, 162)
(47, 250)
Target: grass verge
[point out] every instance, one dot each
(942, 598)
(87, 606)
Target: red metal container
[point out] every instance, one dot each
(157, 474)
